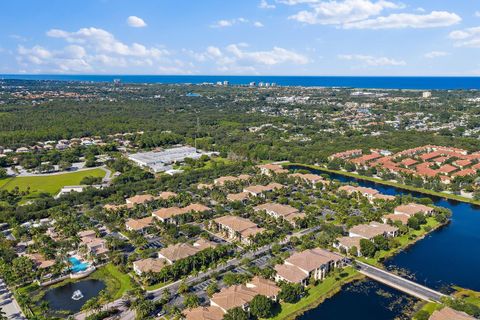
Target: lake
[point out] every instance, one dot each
(60, 298)
(450, 255)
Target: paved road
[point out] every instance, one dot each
(399, 283)
(8, 303)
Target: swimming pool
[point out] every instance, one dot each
(77, 265)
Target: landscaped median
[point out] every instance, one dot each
(387, 183)
(317, 294)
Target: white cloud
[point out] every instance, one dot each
(340, 12)
(91, 49)
(372, 61)
(103, 41)
(236, 58)
(368, 14)
(407, 20)
(274, 56)
(469, 37)
(228, 22)
(225, 23)
(435, 54)
(265, 5)
(477, 14)
(136, 22)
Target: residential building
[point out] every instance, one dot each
(413, 208)
(180, 251)
(300, 266)
(347, 243)
(370, 231)
(237, 228)
(149, 265)
(277, 211)
(139, 225)
(240, 197)
(270, 168)
(258, 190)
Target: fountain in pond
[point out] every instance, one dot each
(77, 295)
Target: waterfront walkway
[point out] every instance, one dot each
(399, 283)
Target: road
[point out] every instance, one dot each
(399, 283)
(8, 303)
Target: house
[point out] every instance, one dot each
(448, 313)
(140, 199)
(413, 208)
(300, 266)
(237, 228)
(264, 287)
(177, 252)
(408, 162)
(149, 265)
(312, 179)
(268, 169)
(165, 195)
(370, 231)
(369, 193)
(465, 172)
(403, 218)
(167, 215)
(258, 190)
(447, 169)
(222, 180)
(277, 211)
(233, 297)
(95, 246)
(462, 163)
(346, 154)
(240, 197)
(139, 225)
(204, 313)
(40, 261)
(180, 251)
(347, 243)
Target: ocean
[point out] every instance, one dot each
(415, 83)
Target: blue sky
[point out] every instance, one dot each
(267, 37)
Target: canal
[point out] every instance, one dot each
(448, 256)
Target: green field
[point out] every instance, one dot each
(48, 184)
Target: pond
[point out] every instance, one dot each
(60, 298)
(365, 299)
(448, 256)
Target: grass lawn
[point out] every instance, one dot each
(158, 286)
(117, 282)
(428, 307)
(317, 294)
(470, 296)
(48, 184)
(390, 183)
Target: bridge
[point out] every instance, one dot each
(399, 283)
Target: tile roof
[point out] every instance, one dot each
(232, 297)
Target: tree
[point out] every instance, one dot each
(422, 315)
(191, 300)
(413, 223)
(381, 242)
(367, 248)
(291, 292)
(212, 289)
(3, 173)
(353, 251)
(261, 306)
(236, 314)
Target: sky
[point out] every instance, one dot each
(241, 37)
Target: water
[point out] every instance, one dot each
(363, 300)
(77, 265)
(425, 83)
(450, 255)
(61, 298)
